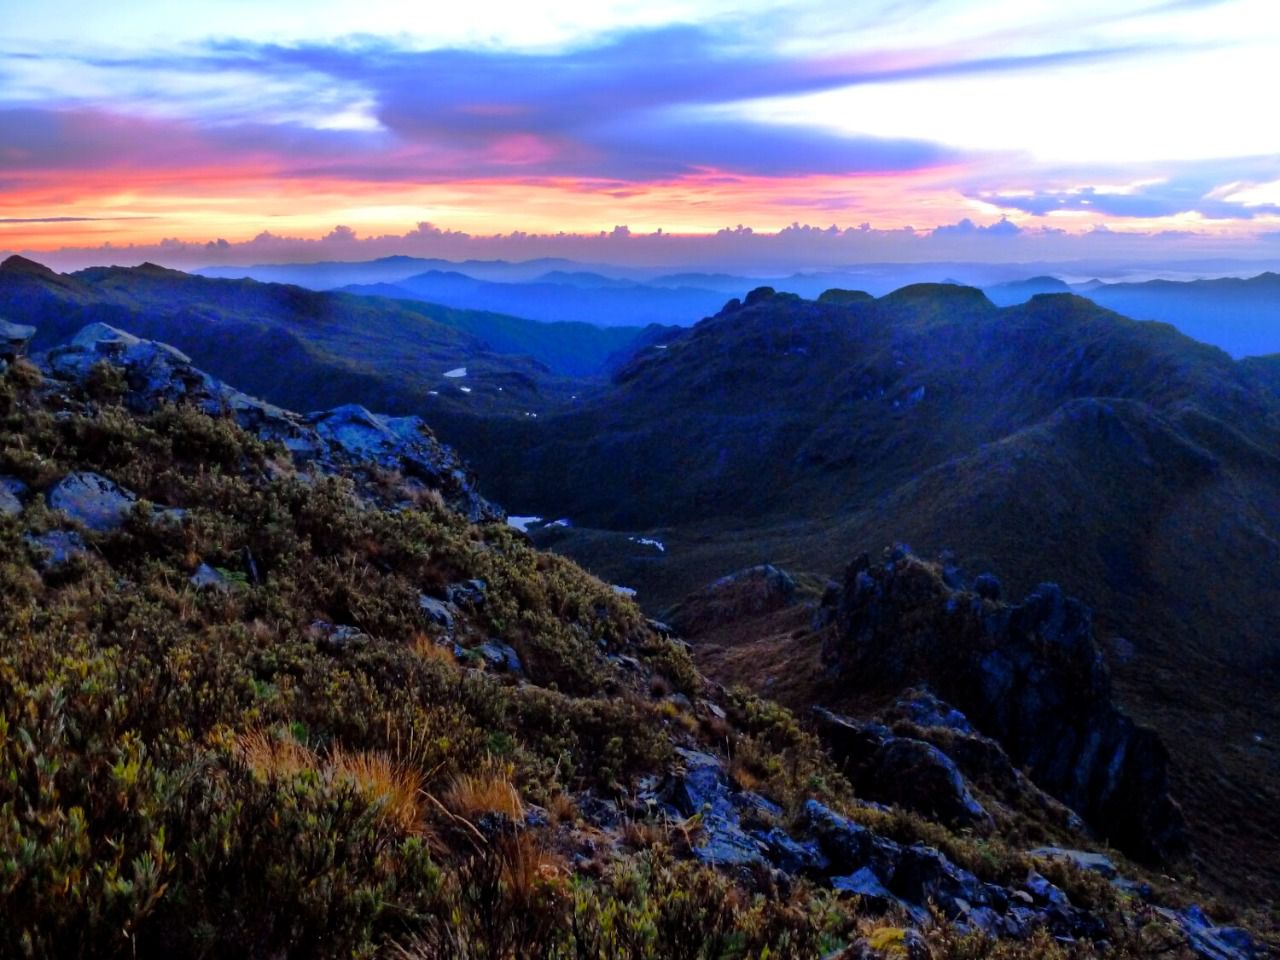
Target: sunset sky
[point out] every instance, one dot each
(335, 129)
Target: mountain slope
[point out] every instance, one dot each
(1049, 441)
(263, 695)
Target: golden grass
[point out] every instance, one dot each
(270, 756)
(489, 791)
(527, 866)
(428, 649)
(395, 787)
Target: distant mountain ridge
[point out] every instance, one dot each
(583, 298)
(1240, 315)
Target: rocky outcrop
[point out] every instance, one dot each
(747, 593)
(348, 439)
(98, 504)
(1030, 675)
(13, 340)
(911, 773)
(93, 501)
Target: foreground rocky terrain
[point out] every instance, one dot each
(286, 685)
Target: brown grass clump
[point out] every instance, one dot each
(426, 648)
(562, 808)
(528, 866)
(489, 791)
(395, 787)
(270, 756)
(741, 773)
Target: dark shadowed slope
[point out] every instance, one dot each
(1050, 441)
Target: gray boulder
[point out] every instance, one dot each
(92, 500)
(12, 492)
(1213, 942)
(438, 612)
(13, 339)
(911, 773)
(207, 578)
(56, 548)
(500, 656)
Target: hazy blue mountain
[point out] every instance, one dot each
(332, 274)
(1020, 291)
(606, 304)
(1240, 316)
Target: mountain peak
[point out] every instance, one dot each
(17, 265)
(942, 294)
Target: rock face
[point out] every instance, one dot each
(1030, 675)
(11, 494)
(348, 439)
(911, 773)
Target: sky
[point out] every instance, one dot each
(825, 132)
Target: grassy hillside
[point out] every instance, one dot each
(260, 712)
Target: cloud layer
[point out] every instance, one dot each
(686, 125)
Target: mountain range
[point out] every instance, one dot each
(1049, 440)
(1053, 440)
(1235, 313)
(1240, 315)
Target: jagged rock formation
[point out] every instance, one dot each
(1031, 675)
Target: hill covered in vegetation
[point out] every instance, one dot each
(285, 685)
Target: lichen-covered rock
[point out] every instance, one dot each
(92, 500)
(56, 548)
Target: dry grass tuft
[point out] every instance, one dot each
(271, 756)
(528, 867)
(395, 787)
(489, 791)
(563, 808)
(427, 648)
